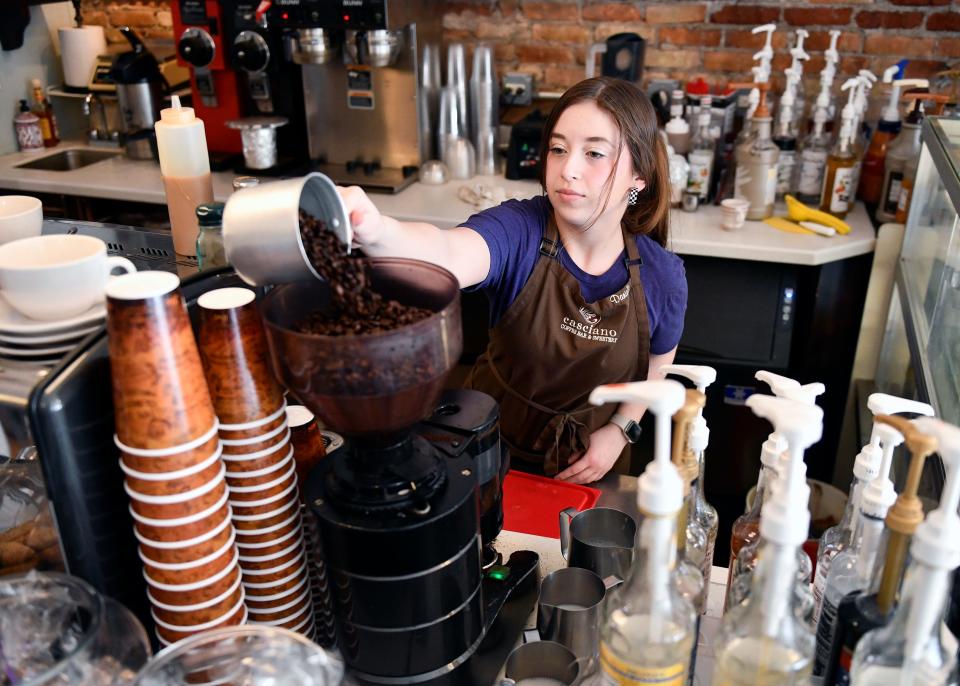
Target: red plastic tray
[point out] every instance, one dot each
(532, 504)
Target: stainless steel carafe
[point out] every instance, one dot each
(140, 90)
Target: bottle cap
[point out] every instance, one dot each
(659, 488)
(35, 83)
(175, 114)
(879, 494)
(937, 541)
(210, 214)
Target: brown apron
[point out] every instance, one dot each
(550, 349)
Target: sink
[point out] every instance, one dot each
(67, 160)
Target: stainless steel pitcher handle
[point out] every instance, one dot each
(566, 516)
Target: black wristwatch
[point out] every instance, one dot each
(631, 429)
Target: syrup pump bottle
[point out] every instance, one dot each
(851, 569)
(702, 150)
(837, 193)
(799, 56)
(703, 512)
(866, 467)
(647, 634)
(814, 150)
(761, 72)
(678, 130)
(861, 611)
(690, 536)
(825, 98)
(764, 641)
(860, 141)
(756, 179)
(888, 127)
(913, 162)
(909, 650)
(785, 136)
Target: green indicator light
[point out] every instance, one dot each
(499, 573)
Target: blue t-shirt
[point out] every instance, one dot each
(513, 231)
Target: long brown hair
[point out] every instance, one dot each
(637, 123)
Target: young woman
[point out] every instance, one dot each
(581, 286)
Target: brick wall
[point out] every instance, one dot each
(150, 19)
(686, 39)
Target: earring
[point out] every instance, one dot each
(632, 195)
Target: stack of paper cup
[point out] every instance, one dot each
(170, 453)
(260, 469)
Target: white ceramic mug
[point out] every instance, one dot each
(56, 276)
(734, 213)
(21, 216)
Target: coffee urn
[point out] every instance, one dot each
(140, 91)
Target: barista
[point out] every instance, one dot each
(582, 289)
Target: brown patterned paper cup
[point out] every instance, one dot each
(250, 538)
(180, 528)
(198, 616)
(267, 560)
(256, 462)
(260, 520)
(278, 597)
(197, 591)
(279, 544)
(246, 508)
(241, 491)
(297, 611)
(177, 552)
(145, 461)
(175, 481)
(260, 441)
(168, 633)
(273, 574)
(198, 499)
(193, 571)
(160, 395)
(235, 356)
(213, 601)
(258, 591)
(307, 441)
(264, 475)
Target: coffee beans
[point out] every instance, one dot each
(356, 308)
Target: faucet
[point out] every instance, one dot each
(97, 133)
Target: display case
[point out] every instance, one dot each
(920, 355)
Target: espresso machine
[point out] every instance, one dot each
(269, 83)
(405, 508)
(200, 32)
(360, 62)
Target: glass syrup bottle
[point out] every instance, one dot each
(648, 632)
(702, 149)
(910, 650)
(764, 642)
(861, 611)
(850, 570)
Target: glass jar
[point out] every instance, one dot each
(210, 251)
(28, 537)
(56, 629)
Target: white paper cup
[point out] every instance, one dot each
(176, 498)
(251, 440)
(282, 567)
(256, 473)
(251, 548)
(239, 505)
(294, 602)
(192, 564)
(57, 276)
(196, 606)
(186, 543)
(177, 474)
(296, 590)
(180, 521)
(193, 585)
(305, 610)
(199, 627)
(268, 529)
(267, 485)
(21, 216)
(79, 49)
(733, 212)
(279, 555)
(259, 586)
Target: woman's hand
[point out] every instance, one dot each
(606, 444)
(368, 224)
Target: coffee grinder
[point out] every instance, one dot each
(199, 29)
(398, 509)
(269, 84)
(360, 73)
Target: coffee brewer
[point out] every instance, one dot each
(199, 29)
(360, 77)
(404, 508)
(269, 83)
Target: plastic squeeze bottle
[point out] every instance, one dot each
(185, 168)
(647, 635)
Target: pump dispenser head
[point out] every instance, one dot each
(785, 518)
(701, 376)
(684, 457)
(765, 54)
(879, 494)
(762, 87)
(891, 112)
(937, 541)
(866, 467)
(659, 489)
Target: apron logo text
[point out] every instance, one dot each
(620, 297)
(589, 332)
(589, 317)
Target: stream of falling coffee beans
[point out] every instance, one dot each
(355, 308)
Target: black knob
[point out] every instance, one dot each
(371, 168)
(352, 165)
(250, 51)
(196, 47)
